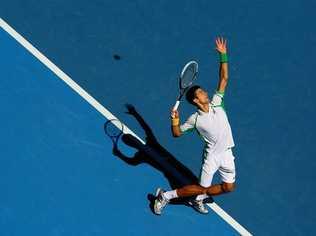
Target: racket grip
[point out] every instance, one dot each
(175, 107)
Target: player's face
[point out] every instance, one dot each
(202, 96)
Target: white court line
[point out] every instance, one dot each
(240, 229)
(63, 76)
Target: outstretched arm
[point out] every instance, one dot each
(223, 68)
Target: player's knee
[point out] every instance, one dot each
(203, 189)
(228, 187)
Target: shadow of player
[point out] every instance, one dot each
(156, 156)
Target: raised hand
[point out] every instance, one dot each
(221, 45)
(130, 109)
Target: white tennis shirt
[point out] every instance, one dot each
(212, 126)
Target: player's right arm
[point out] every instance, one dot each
(175, 124)
(180, 129)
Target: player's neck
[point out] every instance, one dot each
(204, 107)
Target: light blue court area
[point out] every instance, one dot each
(58, 174)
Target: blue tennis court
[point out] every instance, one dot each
(59, 175)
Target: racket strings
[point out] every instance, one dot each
(188, 76)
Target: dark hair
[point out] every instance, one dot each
(190, 95)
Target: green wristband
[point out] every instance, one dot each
(223, 58)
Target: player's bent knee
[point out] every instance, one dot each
(203, 189)
(228, 187)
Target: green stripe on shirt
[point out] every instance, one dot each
(221, 94)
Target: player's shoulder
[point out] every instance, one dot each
(193, 116)
(220, 94)
(217, 98)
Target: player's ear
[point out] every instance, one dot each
(196, 100)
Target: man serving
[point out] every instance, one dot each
(211, 123)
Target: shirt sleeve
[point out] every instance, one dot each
(218, 99)
(189, 125)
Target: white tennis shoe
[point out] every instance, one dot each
(199, 206)
(160, 201)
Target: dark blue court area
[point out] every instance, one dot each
(59, 175)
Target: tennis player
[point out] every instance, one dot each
(211, 123)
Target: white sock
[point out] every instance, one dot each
(170, 194)
(201, 197)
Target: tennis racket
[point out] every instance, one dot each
(114, 129)
(187, 77)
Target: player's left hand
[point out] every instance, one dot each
(221, 45)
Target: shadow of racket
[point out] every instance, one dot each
(114, 129)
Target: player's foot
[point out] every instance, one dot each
(160, 201)
(199, 206)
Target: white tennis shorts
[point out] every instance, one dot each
(222, 162)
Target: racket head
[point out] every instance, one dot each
(188, 74)
(114, 128)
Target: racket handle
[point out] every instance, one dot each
(175, 107)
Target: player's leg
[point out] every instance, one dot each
(227, 171)
(219, 189)
(163, 198)
(225, 164)
(193, 190)
(209, 168)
